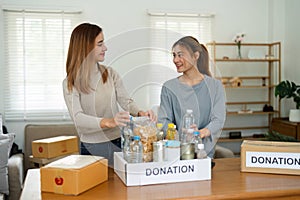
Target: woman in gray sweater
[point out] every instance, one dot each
(92, 93)
(195, 89)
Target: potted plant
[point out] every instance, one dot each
(288, 89)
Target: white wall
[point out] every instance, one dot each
(261, 20)
(291, 70)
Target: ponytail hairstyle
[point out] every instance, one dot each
(79, 59)
(192, 45)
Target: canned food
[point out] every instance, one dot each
(158, 151)
(187, 151)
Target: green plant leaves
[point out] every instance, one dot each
(288, 89)
(275, 136)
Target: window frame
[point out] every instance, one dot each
(18, 94)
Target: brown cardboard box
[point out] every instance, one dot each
(73, 174)
(54, 146)
(270, 157)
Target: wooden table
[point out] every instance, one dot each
(227, 183)
(285, 127)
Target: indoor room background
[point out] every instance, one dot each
(126, 22)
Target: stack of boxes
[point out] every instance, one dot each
(67, 173)
(54, 147)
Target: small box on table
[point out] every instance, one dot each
(270, 157)
(133, 174)
(73, 174)
(54, 146)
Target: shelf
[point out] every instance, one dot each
(246, 60)
(250, 78)
(253, 113)
(247, 102)
(245, 128)
(243, 44)
(244, 77)
(239, 139)
(247, 86)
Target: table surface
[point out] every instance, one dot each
(227, 183)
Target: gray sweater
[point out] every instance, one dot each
(87, 110)
(206, 99)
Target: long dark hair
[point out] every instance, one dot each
(192, 45)
(77, 66)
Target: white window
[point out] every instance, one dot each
(36, 45)
(167, 28)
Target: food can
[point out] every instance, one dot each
(158, 151)
(172, 150)
(187, 151)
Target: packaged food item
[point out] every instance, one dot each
(147, 131)
(171, 132)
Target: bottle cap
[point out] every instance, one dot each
(190, 130)
(200, 146)
(159, 125)
(171, 125)
(189, 110)
(136, 137)
(172, 143)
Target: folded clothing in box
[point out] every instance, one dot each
(73, 174)
(54, 146)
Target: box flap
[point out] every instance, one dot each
(74, 162)
(270, 143)
(54, 139)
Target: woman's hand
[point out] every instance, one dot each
(205, 132)
(120, 119)
(148, 113)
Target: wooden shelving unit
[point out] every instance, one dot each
(265, 57)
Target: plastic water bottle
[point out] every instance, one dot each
(201, 154)
(187, 131)
(126, 137)
(126, 148)
(1, 123)
(136, 149)
(196, 140)
(160, 131)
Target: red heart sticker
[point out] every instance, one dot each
(59, 180)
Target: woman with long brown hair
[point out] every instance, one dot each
(93, 92)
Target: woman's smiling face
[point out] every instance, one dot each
(183, 59)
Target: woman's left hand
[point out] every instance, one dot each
(148, 113)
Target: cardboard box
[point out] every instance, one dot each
(133, 174)
(270, 157)
(73, 174)
(54, 146)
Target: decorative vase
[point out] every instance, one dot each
(239, 51)
(294, 115)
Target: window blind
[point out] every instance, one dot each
(36, 44)
(167, 28)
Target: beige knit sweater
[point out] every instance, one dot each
(87, 110)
